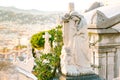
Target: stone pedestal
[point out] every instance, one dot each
(81, 77)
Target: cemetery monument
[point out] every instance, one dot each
(75, 56)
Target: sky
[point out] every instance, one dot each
(47, 5)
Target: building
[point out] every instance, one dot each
(104, 36)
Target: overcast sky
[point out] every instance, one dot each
(47, 5)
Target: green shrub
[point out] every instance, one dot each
(37, 40)
(44, 68)
(48, 64)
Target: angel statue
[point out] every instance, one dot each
(75, 57)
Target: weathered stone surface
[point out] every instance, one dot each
(75, 58)
(116, 27)
(47, 47)
(104, 17)
(105, 51)
(104, 37)
(8, 71)
(94, 6)
(102, 31)
(82, 77)
(118, 78)
(103, 22)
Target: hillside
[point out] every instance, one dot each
(27, 16)
(15, 23)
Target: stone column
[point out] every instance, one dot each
(117, 64)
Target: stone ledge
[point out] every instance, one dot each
(81, 77)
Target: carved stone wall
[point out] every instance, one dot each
(104, 37)
(105, 52)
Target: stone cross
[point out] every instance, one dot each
(71, 7)
(47, 43)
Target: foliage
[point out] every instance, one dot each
(56, 34)
(48, 64)
(37, 40)
(44, 67)
(52, 33)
